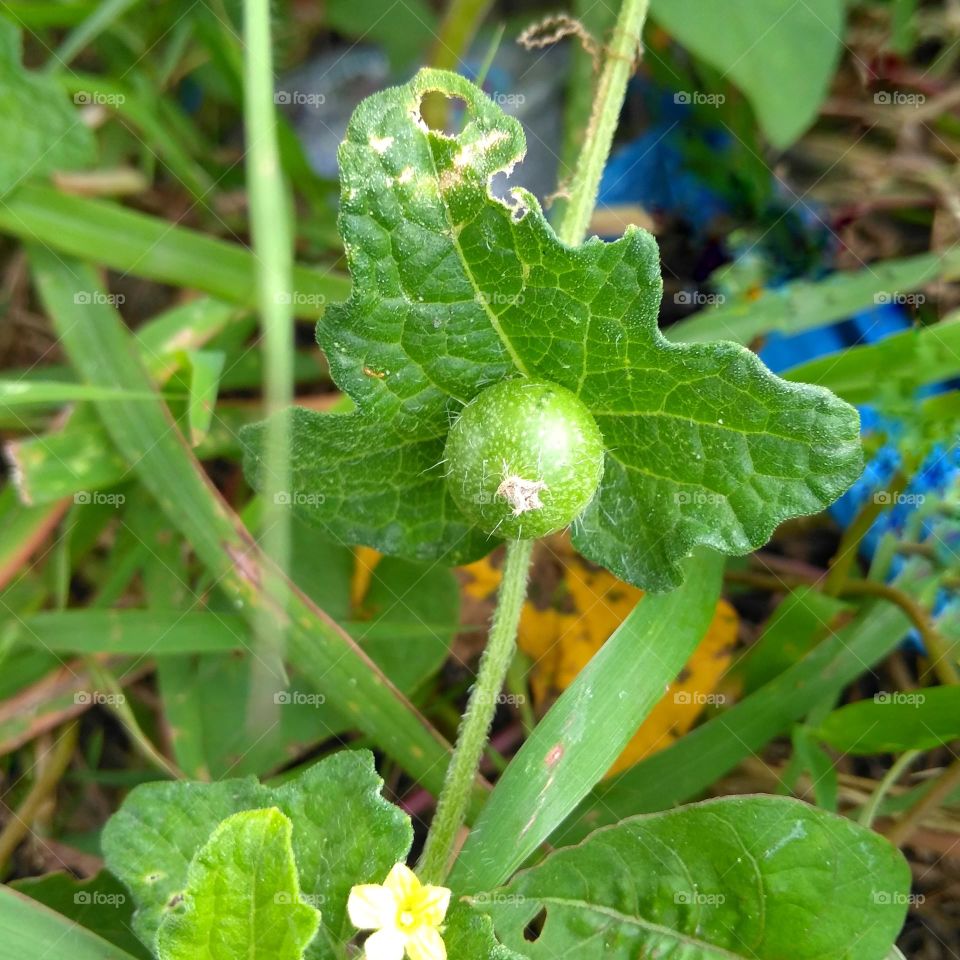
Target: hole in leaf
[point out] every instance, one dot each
(532, 931)
(443, 113)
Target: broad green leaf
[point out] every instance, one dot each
(40, 130)
(344, 833)
(27, 930)
(242, 897)
(687, 768)
(759, 878)
(581, 736)
(468, 934)
(895, 721)
(454, 290)
(101, 905)
(782, 56)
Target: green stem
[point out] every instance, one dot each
(943, 786)
(496, 660)
(501, 646)
(870, 808)
(273, 250)
(617, 69)
(50, 771)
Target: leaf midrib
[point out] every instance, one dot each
(640, 922)
(477, 291)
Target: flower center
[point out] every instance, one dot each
(406, 919)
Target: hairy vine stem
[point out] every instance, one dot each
(618, 67)
(475, 726)
(455, 797)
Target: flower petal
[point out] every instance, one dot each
(371, 906)
(385, 944)
(402, 882)
(432, 905)
(426, 944)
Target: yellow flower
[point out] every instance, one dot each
(405, 914)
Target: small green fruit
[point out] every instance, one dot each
(524, 459)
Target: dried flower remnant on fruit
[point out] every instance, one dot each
(523, 495)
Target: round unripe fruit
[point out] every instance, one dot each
(524, 459)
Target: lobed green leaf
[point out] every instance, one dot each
(455, 289)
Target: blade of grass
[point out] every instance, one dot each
(585, 731)
(101, 350)
(804, 304)
(82, 458)
(101, 19)
(912, 358)
(49, 392)
(146, 246)
(143, 116)
(136, 632)
(24, 529)
(205, 369)
(272, 234)
(688, 767)
(31, 931)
